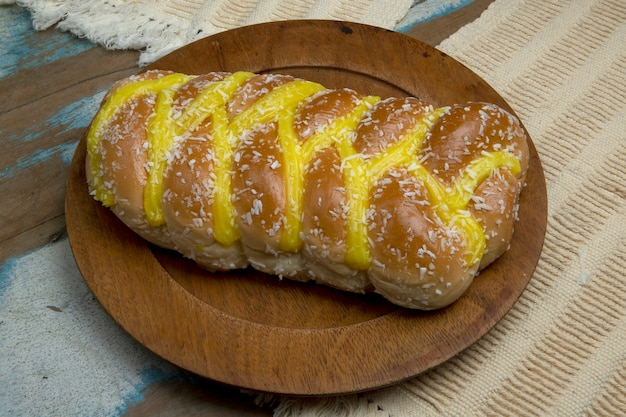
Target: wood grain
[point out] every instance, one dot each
(40, 83)
(195, 397)
(43, 114)
(436, 30)
(253, 331)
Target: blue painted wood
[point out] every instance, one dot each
(5, 277)
(425, 10)
(77, 115)
(63, 151)
(51, 84)
(19, 48)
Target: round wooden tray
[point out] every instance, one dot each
(254, 331)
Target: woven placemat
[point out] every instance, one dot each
(561, 351)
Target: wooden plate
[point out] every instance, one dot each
(254, 331)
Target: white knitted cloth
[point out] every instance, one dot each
(159, 26)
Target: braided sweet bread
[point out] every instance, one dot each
(293, 179)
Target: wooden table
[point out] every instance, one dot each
(51, 84)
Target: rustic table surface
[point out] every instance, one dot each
(51, 84)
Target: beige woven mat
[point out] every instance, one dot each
(561, 351)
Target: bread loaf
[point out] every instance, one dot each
(281, 174)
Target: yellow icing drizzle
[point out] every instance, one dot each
(164, 128)
(297, 157)
(360, 175)
(160, 136)
(280, 105)
(451, 203)
(107, 111)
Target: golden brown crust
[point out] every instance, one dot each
(418, 252)
(495, 205)
(418, 259)
(462, 135)
(254, 88)
(259, 189)
(465, 131)
(385, 124)
(124, 165)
